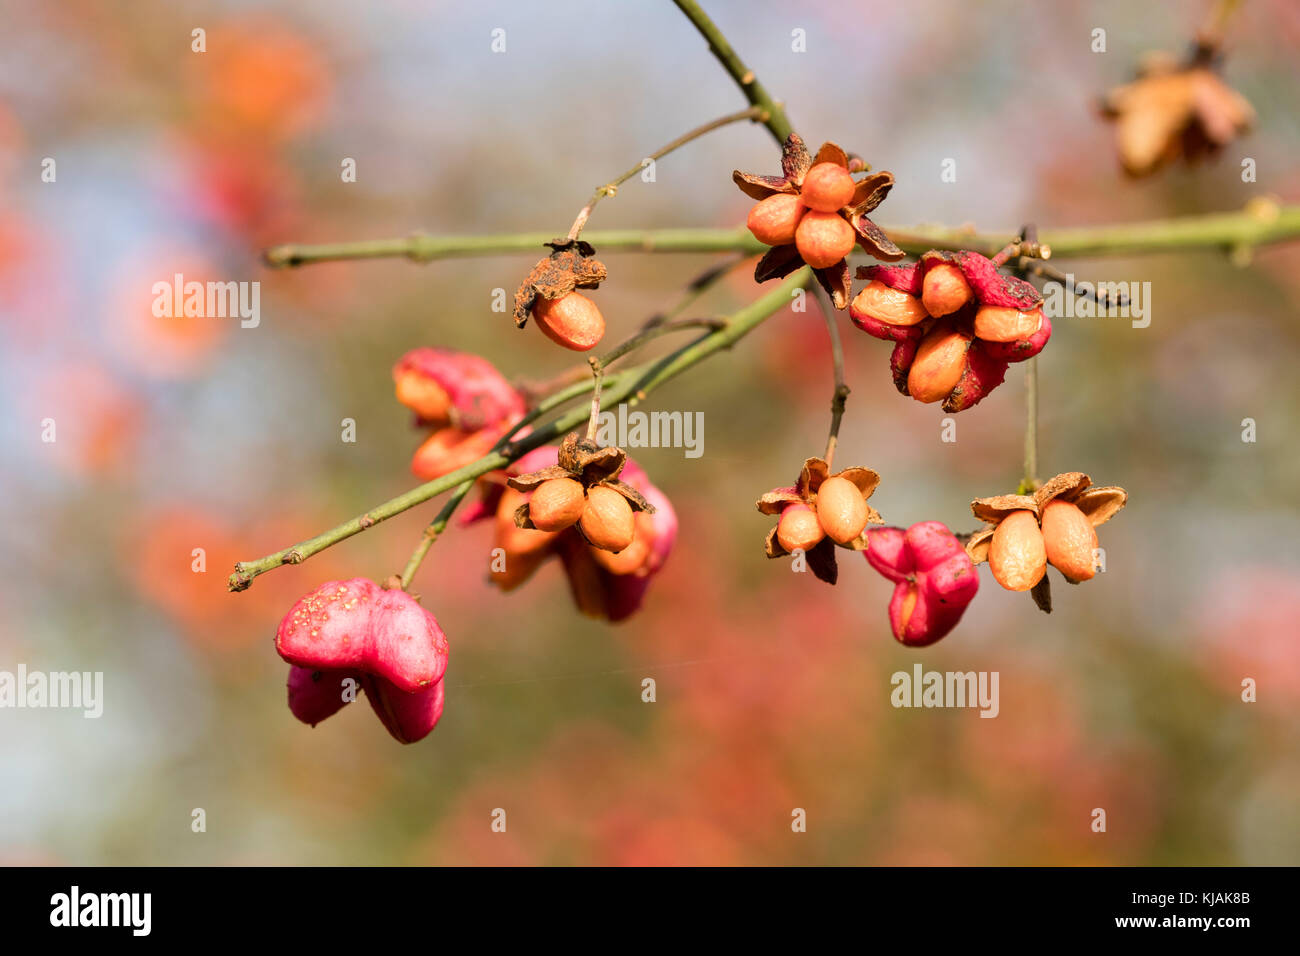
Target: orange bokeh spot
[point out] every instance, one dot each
(262, 77)
(167, 346)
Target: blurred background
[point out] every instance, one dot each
(773, 689)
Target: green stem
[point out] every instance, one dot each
(423, 248)
(1029, 483)
(633, 385)
(611, 187)
(1260, 223)
(436, 527)
(840, 393)
(598, 376)
(777, 122)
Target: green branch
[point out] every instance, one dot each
(630, 385)
(610, 188)
(1260, 223)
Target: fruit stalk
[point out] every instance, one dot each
(1029, 483)
(840, 395)
(611, 188)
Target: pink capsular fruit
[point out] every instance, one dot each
(475, 393)
(597, 590)
(981, 374)
(315, 694)
(934, 579)
(356, 624)
(986, 362)
(408, 717)
(1020, 349)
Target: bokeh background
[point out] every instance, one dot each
(773, 689)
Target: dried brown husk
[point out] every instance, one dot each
(571, 265)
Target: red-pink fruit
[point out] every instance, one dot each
(980, 375)
(1020, 349)
(607, 521)
(888, 553)
(938, 365)
(524, 549)
(799, 528)
(449, 449)
(827, 187)
(1017, 554)
(891, 306)
(571, 320)
(993, 324)
(823, 238)
(944, 289)
(440, 385)
(423, 395)
(408, 717)
(841, 509)
(556, 504)
(1070, 540)
(935, 579)
(774, 220)
(634, 556)
(601, 585)
(315, 694)
(356, 624)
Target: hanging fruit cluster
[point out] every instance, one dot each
(956, 321)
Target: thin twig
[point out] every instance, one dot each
(431, 533)
(611, 188)
(598, 373)
(1209, 39)
(840, 393)
(629, 385)
(1029, 483)
(777, 122)
(1036, 267)
(1029, 249)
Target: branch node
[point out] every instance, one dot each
(280, 257)
(414, 250)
